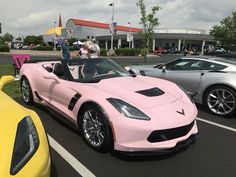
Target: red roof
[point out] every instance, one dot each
(104, 25)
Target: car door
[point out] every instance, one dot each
(184, 72)
(56, 92)
(62, 97)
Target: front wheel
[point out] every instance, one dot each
(221, 100)
(95, 129)
(26, 91)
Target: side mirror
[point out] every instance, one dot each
(132, 72)
(163, 69)
(5, 80)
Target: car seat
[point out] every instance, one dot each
(88, 71)
(58, 70)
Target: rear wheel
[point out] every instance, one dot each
(221, 100)
(95, 129)
(26, 91)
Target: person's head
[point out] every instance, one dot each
(66, 41)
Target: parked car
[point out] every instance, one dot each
(24, 146)
(208, 80)
(219, 50)
(160, 50)
(110, 107)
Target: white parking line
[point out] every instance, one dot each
(216, 124)
(79, 167)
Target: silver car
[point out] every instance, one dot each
(209, 81)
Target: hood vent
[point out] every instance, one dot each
(151, 92)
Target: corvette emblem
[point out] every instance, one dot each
(181, 112)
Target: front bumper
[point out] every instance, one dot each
(138, 141)
(179, 146)
(166, 129)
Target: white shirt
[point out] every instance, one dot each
(83, 53)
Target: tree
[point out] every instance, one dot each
(33, 40)
(226, 31)
(149, 22)
(72, 40)
(1, 40)
(7, 37)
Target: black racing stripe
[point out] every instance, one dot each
(73, 101)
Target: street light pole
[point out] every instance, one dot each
(129, 34)
(112, 23)
(54, 37)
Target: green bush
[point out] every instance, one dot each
(127, 52)
(103, 52)
(44, 48)
(233, 49)
(4, 48)
(71, 48)
(144, 51)
(58, 48)
(229, 48)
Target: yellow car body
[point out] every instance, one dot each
(24, 149)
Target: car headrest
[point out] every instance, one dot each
(58, 69)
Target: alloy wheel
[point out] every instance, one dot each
(25, 90)
(93, 128)
(221, 101)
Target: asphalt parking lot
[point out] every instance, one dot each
(213, 154)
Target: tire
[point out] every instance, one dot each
(95, 129)
(221, 100)
(26, 91)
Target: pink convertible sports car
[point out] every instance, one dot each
(111, 107)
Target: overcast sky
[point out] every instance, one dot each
(27, 17)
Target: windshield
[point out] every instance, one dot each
(94, 70)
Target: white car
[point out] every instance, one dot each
(209, 81)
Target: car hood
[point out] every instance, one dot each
(141, 91)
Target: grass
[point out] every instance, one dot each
(12, 89)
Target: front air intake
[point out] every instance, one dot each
(169, 134)
(151, 92)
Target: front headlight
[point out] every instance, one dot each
(26, 144)
(128, 110)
